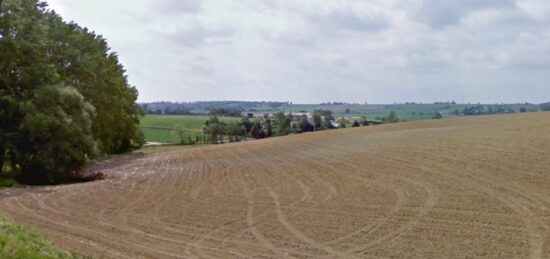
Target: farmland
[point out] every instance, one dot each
(158, 128)
(464, 187)
(408, 111)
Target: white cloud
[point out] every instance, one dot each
(313, 51)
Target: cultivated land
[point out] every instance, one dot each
(467, 187)
(159, 128)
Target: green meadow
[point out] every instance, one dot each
(160, 128)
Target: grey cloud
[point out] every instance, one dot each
(443, 13)
(178, 6)
(350, 20)
(198, 36)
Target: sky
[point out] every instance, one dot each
(305, 51)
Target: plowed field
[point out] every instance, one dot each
(468, 187)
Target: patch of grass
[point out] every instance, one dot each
(158, 128)
(18, 242)
(6, 182)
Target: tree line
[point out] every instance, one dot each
(64, 95)
(218, 108)
(216, 131)
(487, 110)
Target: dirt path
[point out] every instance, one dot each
(471, 187)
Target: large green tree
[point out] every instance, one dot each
(54, 75)
(57, 127)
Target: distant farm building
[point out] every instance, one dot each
(270, 115)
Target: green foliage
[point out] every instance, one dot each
(216, 129)
(159, 128)
(282, 123)
(233, 112)
(58, 138)
(235, 131)
(6, 182)
(342, 121)
(317, 120)
(304, 125)
(63, 93)
(391, 118)
(522, 109)
(19, 243)
(139, 139)
(405, 111)
(181, 131)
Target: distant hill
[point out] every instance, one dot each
(204, 107)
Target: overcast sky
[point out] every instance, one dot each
(375, 51)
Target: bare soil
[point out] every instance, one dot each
(462, 188)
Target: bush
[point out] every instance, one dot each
(139, 139)
(8, 182)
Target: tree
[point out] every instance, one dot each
(328, 117)
(181, 131)
(234, 130)
(58, 140)
(256, 130)
(317, 120)
(304, 125)
(282, 123)
(41, 56)
(221, 111)
(246, 124)
(342, 121)
(268, 128)
(364, 121)
(83, 59)
(214, 128)
(391, 118)
(545, 106)
(522, 109)
(437, 116)
(356, 124)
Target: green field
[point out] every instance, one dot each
(19, 243)
(159, 128)
(409, 112)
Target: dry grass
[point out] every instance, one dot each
(469, 187)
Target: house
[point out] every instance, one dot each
(252, 115)
(299, 114)
(270, 115)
